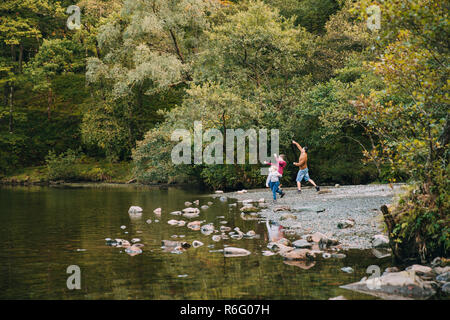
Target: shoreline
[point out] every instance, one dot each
(311, 212)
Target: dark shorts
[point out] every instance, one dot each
(302, 175)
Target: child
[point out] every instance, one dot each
(281, 163)
(273, 182)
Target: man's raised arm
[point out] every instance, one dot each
(298, 146)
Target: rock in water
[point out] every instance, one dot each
(188, 204)
(196, 244)
(218, 191)
(176, 213)
(298, 254)
(157, 211)
(347, 269)
(403, 285)
(249, 208)
(301, 244)
(380, 241)
(235, 252)
(204, 207)
(135, 209)
(197, 202)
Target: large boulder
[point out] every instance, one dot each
(405, 285)
(249, 209)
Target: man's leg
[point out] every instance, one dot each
(314, 184)
(299, 186)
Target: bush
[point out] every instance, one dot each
(62, 166)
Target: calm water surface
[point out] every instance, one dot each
(43, 228)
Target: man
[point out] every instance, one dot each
(303, 165)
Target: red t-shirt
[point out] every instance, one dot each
(281, 164)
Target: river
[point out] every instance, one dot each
(43, 230)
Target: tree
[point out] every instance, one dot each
(410, 117)
(55, 57)
(146, 50)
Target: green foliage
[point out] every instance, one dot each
(62, 166)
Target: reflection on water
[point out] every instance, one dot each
(44, 230)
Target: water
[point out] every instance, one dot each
(42, 230)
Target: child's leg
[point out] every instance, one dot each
(274, 188)
(278, 190)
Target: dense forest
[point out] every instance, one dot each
(99, 102)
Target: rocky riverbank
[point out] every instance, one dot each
(350, 214)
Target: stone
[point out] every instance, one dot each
(176, 213)
(190, 215)
(134, 240)
(301, 244)
(347, 269)
(444, 277)
(249, 208)
(394, 286)
(191, 210)
(338, 298)
(181, 223)
(216, 238)
(316, 237)
(197, 202)
(135, 209)
(281, 208)
(218, 191)
(348, 223)
(380, 241)
(437, 262)
(446, 288)
(419, 269)
(297, 254)
(337, 185)
(381, 253)
(241, 191)
(267, 253)
(439, 270)
(188, 204)
(207, 229)
(172, 222)
(149, 221)
(196, 244)
(204, 207)
(123, 227)
(284, 242)
(324, 191)
(288, 216)
(210, 203)
(171, 243)
(157, 211)
(224, 229)
(235, 252)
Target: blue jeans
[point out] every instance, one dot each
(274, 186)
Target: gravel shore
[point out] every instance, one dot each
(316, 212)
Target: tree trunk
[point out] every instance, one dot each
(20, 57)
(11, 107)
(49, 102)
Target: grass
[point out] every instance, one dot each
(88, 170)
